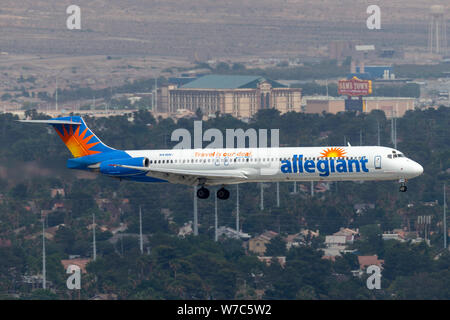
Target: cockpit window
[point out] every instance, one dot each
(396, 155)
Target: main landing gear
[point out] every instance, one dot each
(202, 193)
(222, 193)
(403, 187)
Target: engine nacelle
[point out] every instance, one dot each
(111, 168)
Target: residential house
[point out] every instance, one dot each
(58, 206)
(80, 262)
(364, 262)
(121, 228)
(336, 244)
(185, 230)
(268, 260)
(57, 192)
(304, 237)
(349, 234)
(258, 244)
(396, 234)
(5, 243)
(362, 207)
(231, 233)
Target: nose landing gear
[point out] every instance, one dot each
(403, 187)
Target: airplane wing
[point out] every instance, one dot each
(193, 177)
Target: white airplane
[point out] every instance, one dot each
(209, 167)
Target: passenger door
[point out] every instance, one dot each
(377, 162)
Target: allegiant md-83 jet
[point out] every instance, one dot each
(210, 167)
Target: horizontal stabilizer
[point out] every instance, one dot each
(51, 121)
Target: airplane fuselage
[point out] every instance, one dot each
(288, 164)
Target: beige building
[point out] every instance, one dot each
(396, 107)
(391, 106)
(240, 96)
(258, 244)
(324, 104)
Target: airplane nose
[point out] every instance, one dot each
(417, 169)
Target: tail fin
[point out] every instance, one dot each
(79, 139)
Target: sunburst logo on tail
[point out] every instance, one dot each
(77, 143)
(333, 153)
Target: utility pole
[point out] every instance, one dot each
(237, 207)
(156, 95)
(262, 196)
(195, 212)
(278, 194)
(378, 127)
(394, 129)
(215, 218)
(94, 246)
(141, 241)
(395, 133)
(312, 189)
(56, 95)
(44, 271)
(445, 218)
(295, 186)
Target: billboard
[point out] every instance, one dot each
(355, 87)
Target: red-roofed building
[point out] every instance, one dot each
(57, 206)
(365, 261)
(5, 243)
(78, 262)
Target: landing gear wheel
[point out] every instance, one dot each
(203, 193)
(223, 194)
(403, 188)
